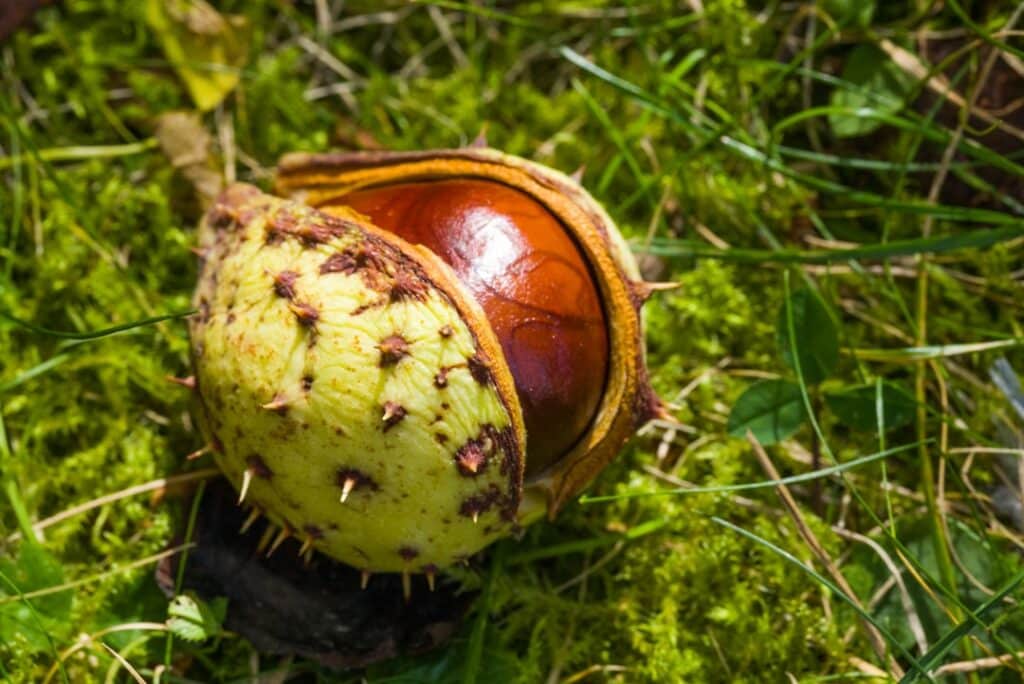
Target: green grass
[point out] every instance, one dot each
(746, 152)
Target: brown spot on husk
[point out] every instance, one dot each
(479, 370)
(364, 260)
(306, 314)
(221, 216)
(363, 308)
(476, 505)
(392, 349)
(472, 457)
(358, 478)
(505, 441)
(259, 467)
(279, 404)
(408, 286)
(341, 262)
(286, 224)
(284, 284)
(393, 414)
(281, 224)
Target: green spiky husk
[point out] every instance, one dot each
(333, 362)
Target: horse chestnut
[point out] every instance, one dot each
(417, 353)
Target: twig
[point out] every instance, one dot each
(126, 665)
(86, 640)
(203, 474)
(593, 669)
(977, 664)
(913, 620)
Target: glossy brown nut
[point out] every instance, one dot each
(533, 284)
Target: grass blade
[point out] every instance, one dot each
(938, 351)
(33, 372)
(763, 484)
(94, 334)
(81, 152)
(975, 239)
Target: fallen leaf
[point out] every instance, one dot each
(186, 144)
(207, 49)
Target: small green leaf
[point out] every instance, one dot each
(206, 48)
(192, 619)
(856, 407)
(817, 342)
(878, 84)
(771, 409)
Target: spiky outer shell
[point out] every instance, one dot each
(628, 400)
(334, 361)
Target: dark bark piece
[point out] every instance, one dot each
(318, 612)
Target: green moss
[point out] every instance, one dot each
(101, 241)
